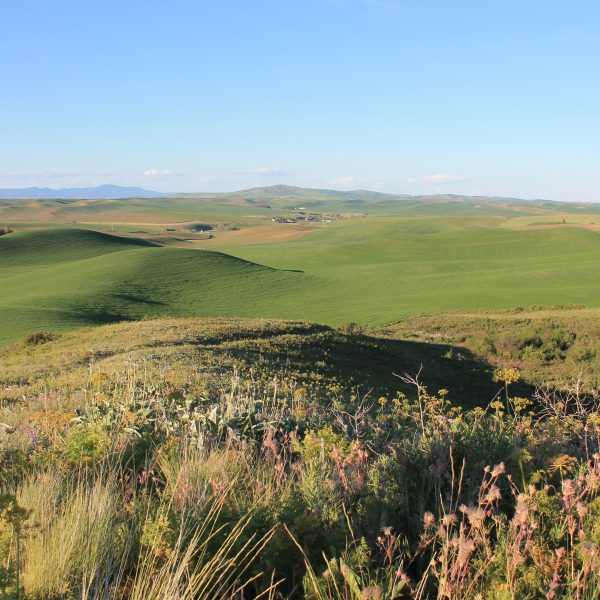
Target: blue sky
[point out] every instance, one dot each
(412, 96)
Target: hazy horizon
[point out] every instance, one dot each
(266, 187)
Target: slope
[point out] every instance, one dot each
(49, 282)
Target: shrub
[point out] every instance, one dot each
(41, 337)
(84, 444)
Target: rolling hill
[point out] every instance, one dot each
(367, 201)
(283, 197)
(371, 271)
(67, 278)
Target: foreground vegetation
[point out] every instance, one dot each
(227, 459)
(549, 345)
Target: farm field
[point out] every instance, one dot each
(368, 269)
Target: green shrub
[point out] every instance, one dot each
(84, 444)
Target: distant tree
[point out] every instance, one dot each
(5, 230)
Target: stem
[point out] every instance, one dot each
(17, 531)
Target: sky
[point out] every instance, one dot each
(482, 97)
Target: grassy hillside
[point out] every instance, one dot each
(372, 271)
(309, 354)
(388, 267)
(257, 206)
(554, 347)
(64, 279)
(377, 203)
(46, 247)
(196, 458)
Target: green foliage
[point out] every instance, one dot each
(84, 445)
(41, 337)
(550, 345)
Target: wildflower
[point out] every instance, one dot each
(476, 517)
(375, 592)
(562, 464)
(507, 376)
(521, 515)
(428, 521)
(498, 470)
(466, 548)
(560, 553)
(497, 405)
(568, 492)
(493, 494)
(449, 520)
(582, 510)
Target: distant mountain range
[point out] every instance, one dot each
(281, 192)
(260, 194)
(84, 193)
(282, 197)
(288, 195)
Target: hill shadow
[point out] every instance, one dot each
(371, 363)
(100, 316)
(137, 299)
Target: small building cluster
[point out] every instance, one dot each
(300, 218)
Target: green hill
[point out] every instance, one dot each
(303, 354)
(371, 271)
(382, 268)
(58, 245)
(367, 201)
(64, 279)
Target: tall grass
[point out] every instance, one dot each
(74, 545)
(155, 492)
(87, 540)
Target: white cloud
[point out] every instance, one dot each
(268, 171)
(343, 181)
(157, 174)
(438, 179)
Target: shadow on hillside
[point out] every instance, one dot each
(100, 316)
(115, 311)
(137, 299)
(373, 364)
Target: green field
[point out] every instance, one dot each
(371, 270)
(389, 267)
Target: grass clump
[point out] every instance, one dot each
(41, 337)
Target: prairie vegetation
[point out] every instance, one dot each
(191, 459)
(549, 345)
